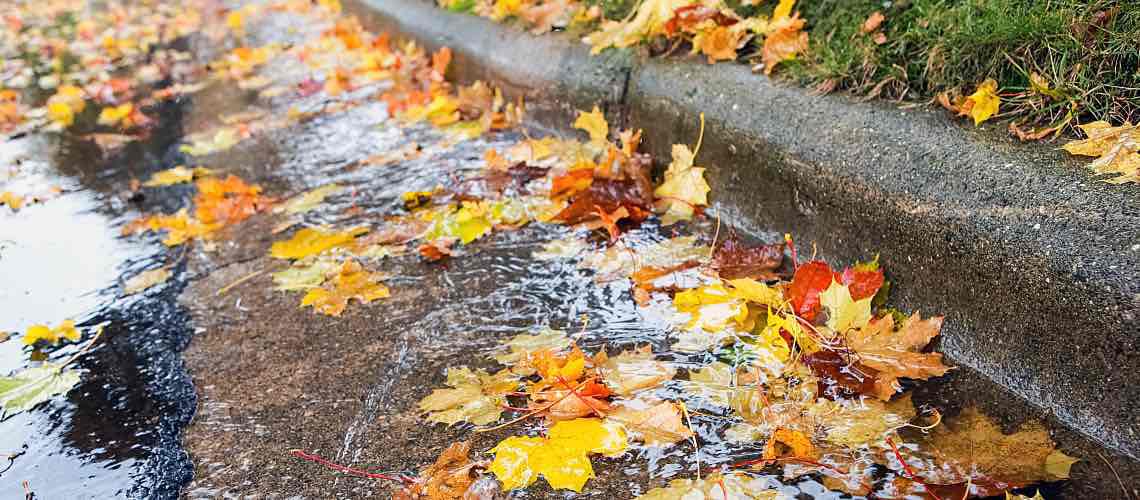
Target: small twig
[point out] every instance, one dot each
(530, 414)
(1127, 493)
(90, 344)
(28, 494)
(716, 235)
(243, 279)
(348, 470)
(696, 447)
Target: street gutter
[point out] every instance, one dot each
(1035, 264)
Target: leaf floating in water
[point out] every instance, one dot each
(51, 336)
(473, 396)
(352, 282)
(145, 280)
(24, 390)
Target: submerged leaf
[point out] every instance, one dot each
(474, 397)
(308, 200)
(176, 175)
(312, 241)
(26, 389)
(634, 370)
(304, 277)
(897, 353)
(352, 282)
(684, 188)
(655, 424)
(145, 280)
(733, 486)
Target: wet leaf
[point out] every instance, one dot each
(352, 282)
(227, 201)
(179, 227)
(712, 308)
(312, 241)
(225, 138)
(810, 279)
(683, 189)
(973, 446)
(145, 280)
(448, 478)
(634, 370)
(43, 334)
(562, 458)
(897, 353)
(308, 200)
(472, 396)
(648, 20)
(789, 443)
(594, 124)
(24, 390)
(115, 115)
(176, 175)
(863, 423)
(13, 200)
(522, 346)
(305, 277)
(733, 486)
(734, 259)
(844, 313)
(657, 423)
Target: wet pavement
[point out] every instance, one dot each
(269, 377)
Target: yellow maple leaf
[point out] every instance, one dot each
(984, 102)
(684, 187)
(114, 115)
(179, 227)
(51, 336)
(712, 307)
(843, 312)
(65, 104)
(562, 458)
(1118, 149)
(754, 291)
(312, 241)
(176, 175)
(472, 396)
(783, 9)
(308, 200)
(352, 282)
(145, 280)
(593, 123)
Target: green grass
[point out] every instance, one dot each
(1088, 51)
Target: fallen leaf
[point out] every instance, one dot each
(655, 424)
(983, 103)
(472, 396)
(115, 115)
(897, 353)
(24, 390)
(784, 41)
(719, 43)
(225, 138)
(711, 307)
(634, 370)
(1118, 149)
(308, 200)
(972, 447)
(312, 241)
(647, 20)
(562, 459)
(683, 189)
(179, 227)
(227, 201)
(305, 277)
(789, 443)
(13, 200)
(448, 478)
(843, 312)
(352, 282)
(717, 486)
(51, 336)
(176, 175)
(522, 346)
(810, 279)
(145, 280)
(734, 259)
(869, 422)
(594, 124)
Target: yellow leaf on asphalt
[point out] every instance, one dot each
(1118, 149)
(145, 280)
(51, 336)
(711, 307)
(471, 396)
(683, 189)
(985, 101)
(312, 241)
(593, 123)
(352, 282)
(179, 227)
(13, 200)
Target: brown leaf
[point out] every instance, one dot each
(734, 259)
(606, 195)
(784, 42)
(657, 424)
(897, 353)
(448, 478)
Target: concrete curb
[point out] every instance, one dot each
(1035, 264)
